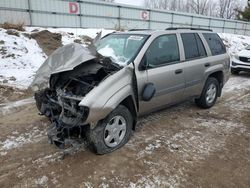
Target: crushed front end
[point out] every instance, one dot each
(59, 100)
(67, 118)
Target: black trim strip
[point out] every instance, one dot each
(170, 90)
(193, 83)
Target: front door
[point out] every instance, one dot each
(165, 72)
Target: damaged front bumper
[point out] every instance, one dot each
(66, 116)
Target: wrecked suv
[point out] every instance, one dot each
(94, 94)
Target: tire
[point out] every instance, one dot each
(209, 93)
(105, 137)
(234, 71)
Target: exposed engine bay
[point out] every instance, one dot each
(60, 101)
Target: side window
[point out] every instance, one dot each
(193, 46)
(215, 43)
(163, 50)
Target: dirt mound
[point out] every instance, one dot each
(48, 41)
(12, 32)
(87, 39)
(8, 93)
(7, 25)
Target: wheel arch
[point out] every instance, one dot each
(219, 76)
(129, 103)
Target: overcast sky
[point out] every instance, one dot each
(130, 2)
(140, 2)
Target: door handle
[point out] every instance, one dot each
(178, 71)
(207, 65)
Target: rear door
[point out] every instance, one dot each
(195, 63)
(165, 72)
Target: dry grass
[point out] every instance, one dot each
(18, 26)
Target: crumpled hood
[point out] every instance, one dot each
(63, 59)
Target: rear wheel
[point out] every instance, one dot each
(112, 132)
(209, 94)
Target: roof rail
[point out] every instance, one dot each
(140, 30)
(191, 28)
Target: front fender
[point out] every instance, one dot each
(108, 94)
(98, 113)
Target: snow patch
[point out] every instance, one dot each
(234, 43)
(8, 107)
(87, 184)
(3, 153)
(20, 58)
(156, 181)
(43, 181)
(12, 142)
(149, 149)
(237, 83)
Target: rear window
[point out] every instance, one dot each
(193, 46)
(215, 43)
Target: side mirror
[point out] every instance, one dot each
(148, 92)
(143, 64)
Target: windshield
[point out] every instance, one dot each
(248, 47)
(121, 48)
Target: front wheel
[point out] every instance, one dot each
(209, 94)
(112, 132)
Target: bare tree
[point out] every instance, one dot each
(175, 5)
(199, 6)
(228, 9)
(220, 8)
(212, 7)
(187, 7)
(157, 4)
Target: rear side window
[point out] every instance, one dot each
(193, 46)
(215, 43)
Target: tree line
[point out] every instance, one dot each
(223, 8)
(228, 9)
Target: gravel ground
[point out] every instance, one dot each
(182, 146)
